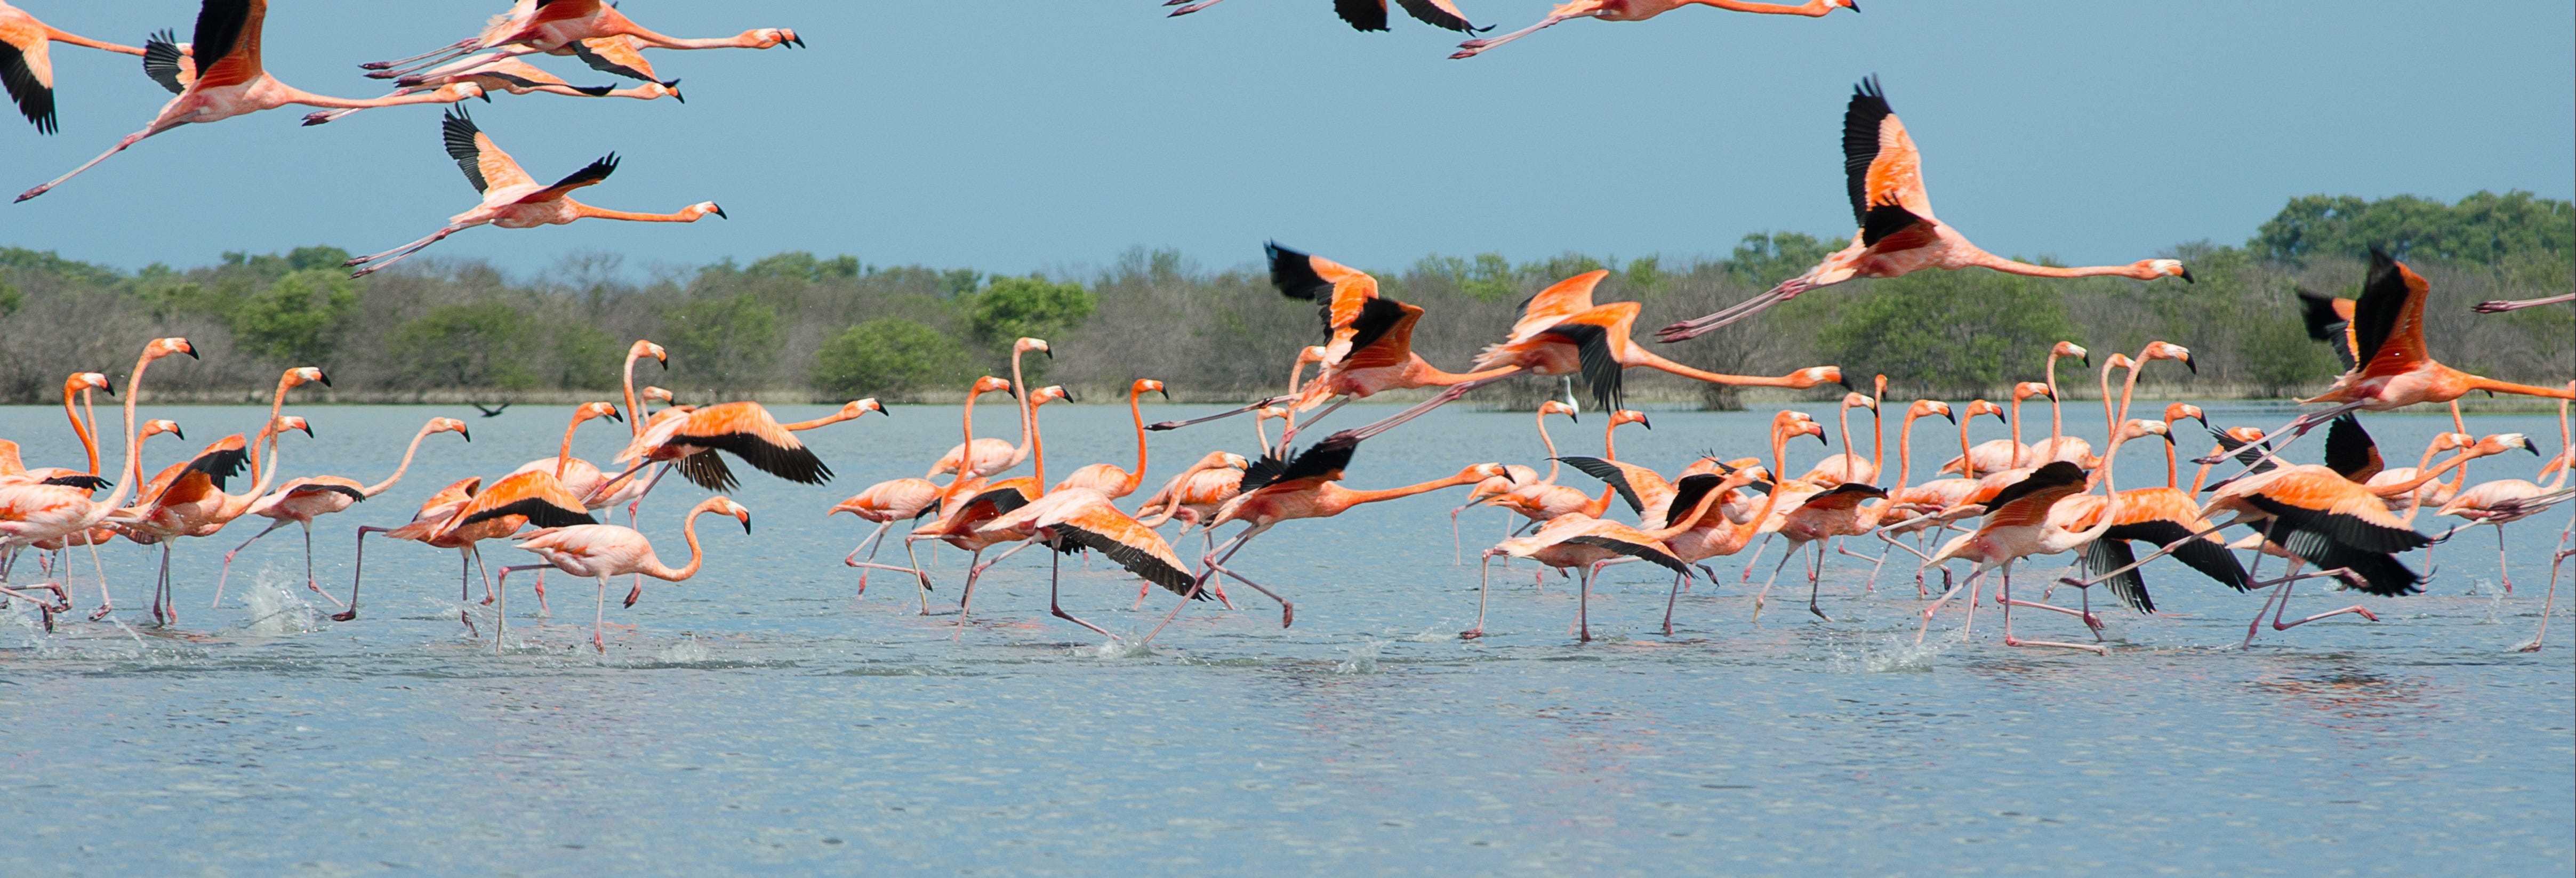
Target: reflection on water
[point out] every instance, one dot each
(759, 718)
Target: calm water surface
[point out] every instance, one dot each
(762, 719)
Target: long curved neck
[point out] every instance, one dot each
(295, 95)
(697, 557)
(392, 480)
(1677, 523)
(1552, 463)
(1904, 452)
(1136, 408)
(1967, 460)
(580, 209)
(1037, 442)
(2420, 478)
(563, 456)
(2056, 413)
(1027, 411)
(634, 414)
(1648, 359)
(275, 405)
(2019, 449)
(1260, 431)
(2173, 469)
(2566, 451)
(1349, 498)
(967, 450)
(2202, 478)
(1878, 443)
(89, 442)
(2008, 266)
(2111, 417)
(1810, 8)
(133, 443)
(613, 22)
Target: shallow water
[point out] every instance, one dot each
(760, 718)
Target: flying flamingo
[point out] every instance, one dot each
(2501, 306)
(1849, 466)
(1370, 15)
(1277, 489)
(992, 456)
(1640, 10)
(600, 551)
(1898, 234)
(434, 514)
(1582, 542)
(27, 70)
(2505, 501)
(1561, 332)
(500, 511)
(511, 198)
(1997, 455)
(2396, 369)
(30, 514)
(1107, 478)
(743, 429)
(1072, 519)
(302, 500)
(551, 25)
(230, 82)
(516, 77)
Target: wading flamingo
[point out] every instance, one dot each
(500, 511)
(992, 456)
(600, 551)
(230, 82)
(1640, 10)
(302, 500)
(1278, 489)
(552, 25)
(434, 514)
(30, 514)
(1073, 519)
(1997, 455)
(78, 387)
(513, 76)
(1582, 542)
(1107, 478)
(1370, 15)
(885, 503)
(512, 199)
(26, 68)
(1898, 234)
(2016, 526)
(968, 503)
(188, 499)
(2505, 501)
(1849, 466)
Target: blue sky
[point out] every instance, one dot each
(1019, 135)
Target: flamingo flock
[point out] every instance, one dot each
(2349, 519)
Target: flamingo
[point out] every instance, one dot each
(1577, 541)
(1370, 15)
(885, 503)
(79, 385)
(2072, 449)
(499, 511)
(2500, 306)
(230, 82)
(434, 514)
(1848, 466)
(1871, 515)
(188, 500)
(511, 198)
(516, 77)
(600, 551)
(2016, 526)
(30, 514)
(1640, 10)
(992, 456)
(743, 429)
(1825, 513)
(1522, 490)
(2159, 516)
(1561, 332)
(1940, 494)
(1372, 335)
(579, 476)
(1544, 500)
(2395, 368)
(302, 500)
(1278, 489)
(1996, 455)
(2505, 501)
(1898, 234)
(1072, 519)
(968, 503)
(533, 26)
(27, 70)
(1107, 478)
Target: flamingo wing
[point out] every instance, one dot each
(1880, 164)
(535, 496)
(1629, 542)
(484, 163)
(1440, 14)
(1323, 462)
(83, 481)
(1338, 291)
(1363, 15)
(614, 55)
(2382, 575)
(1098, 526)
(28, 76)
(2329, 320)
(1687, 495)
(354, 495)
(1382, 336)
(2026, 502)
(2388, 321)
(2350, 451)
(1843, 496)
(589, 175)
(1613, 472)
(227, 42)
(747, 430)
(2206, 555)
(1602, 371)
(207, 472)
(1561, 300)
(168, 64)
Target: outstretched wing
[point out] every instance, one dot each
(2329, 320)
(707, 469)
(483, 162)
(1440, 14)
(614, 55)
(589, 175)
(2026, 502)
(2350, 451)
(1601, 369)
(227, 41)
(1363, 15)
(2388, 321)
(1324, 463)
(2107, 554)
(166, 63)
(29, 81)
(1880, 165)
(1102, 528)
(1614, 473)
(748, 432)
(1338, 291)
(1382, 336)
(1848, 495)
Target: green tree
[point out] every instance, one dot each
(295, 320)
(1033, 306)
(483, 345)
(1764, 259)
(2482, 228)
(730, 338)
(584, 357)
(801, 265)
(1952, 330)
(889, 356)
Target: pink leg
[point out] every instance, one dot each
(2502, 571)
(1472, 48)
(599, 619)
(2278, 625)
(2003, 595)
(1055, 564)
(228, 561)
(1207, 571)
(1484, 587)
(358, 572)
(130, 140)
(309, 583)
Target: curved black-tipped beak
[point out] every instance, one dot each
(615, 416)
(1167, 395)
(2527, 446)
(191, 351)
(2188, 364)
(666, 363)
(2006, 419)
(2051, 394)
(1946, 416)
(1845, 383)
(1050, 352)
(2186, 276)
(2204, 421)
(324, 377)
(2088, 359)
(111, 389)
(308, 432)
(2169, 440)
(1855, 6)
(674, 86)
(719, 212)
(1821, 440)
(1642, 422)
(1069, 397)
(746, 524)
(182, 434)
(468, 434)
(486, 96)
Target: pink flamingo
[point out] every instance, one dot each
(1898, 234)
(1849, 466)
(1640, 10)
(992, 456)
(533, 26)
(302, 500)
(1582, 542)
(1073, 519)
(2505, 501)
(1370, 15)
(230, 82)
(516, 77)
(1107, 478)
(434, 514)
(1996, 455)
(31, 514)
(600, 551)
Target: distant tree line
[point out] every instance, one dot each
(797, 326)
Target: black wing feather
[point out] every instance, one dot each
(538, 511)
(1687, 495)
(1135, 560)
(2211, 559)
(1601, 371)
(590, 173)
(799, 465)
(2383, 302)
(1377, 317)
(219, 25)
(1296, 278)
(457, 129)
(1611, 473)
(1649, 554)
(35, 101)
(1886, 220)
(2382, 575)
(2350, 451)
(1865, 491)
(1431, 14)
(161, 60)
(1325, 459)
(581, 49)
(2107, 554)
(2343, 530)
(2053, 475)
(1003, 499)
(352, 493)
(1363, 15)
(1861, 118)
(84, 482)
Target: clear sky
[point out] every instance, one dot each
(1019, 135)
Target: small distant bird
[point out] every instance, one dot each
(514, 200)
(492, 412)
(1898, 234)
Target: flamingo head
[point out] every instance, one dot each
(1859, 401)
(1984, 407)
(766, 37)
(458, 91)
(651, 90)
(1312, 354)
(589, 410)
(1269, 412)
(1147, 385)
(2165, 350)
(1048, 394)
(158, 426)
(2503, 442)
(1853, 5)
(2150, 269)
(656, 394)
(1026, 344)
(698, 211)
(1630, 416)
(1233, 460)
(2028, 389)
(88, 381)
(857, 407)
(1491, 489)
(989, 384)
(162, 347)
(2139, 428)
(726, 506)
(1815, 375)
(301, 375)
(2071, 349)
(1924, 408)
(2181, 410)
(449, 425)
(2118, 361)
(291, 422)
(1557, 407)
(1788, 423)
(641, 349)
(1483, 471)
(2245, 434)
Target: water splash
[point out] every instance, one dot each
(277, 612)
(1894, 653)
(2495, 603)
(685, 652)
(1115, 648)
(1442, 633)
(1363, 657)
